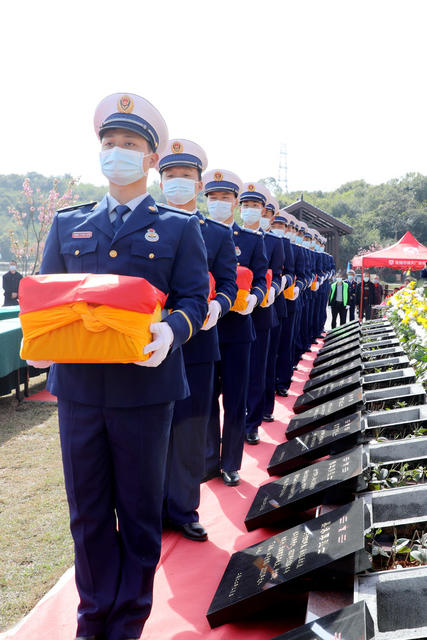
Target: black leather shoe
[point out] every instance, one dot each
(282, 391)
(252, 438)
(194, 531)
(231, 478)
(268, 417)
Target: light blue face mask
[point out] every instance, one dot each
(350, 278)
(122, 166)
(321, 249)
(219, 209)
(288, 235)
(278, 232)
(305, 244)
(250, 215)
(179, 190)
(264, 223)
(298, 241)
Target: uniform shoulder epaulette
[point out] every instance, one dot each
(74, 207)
(168, 207)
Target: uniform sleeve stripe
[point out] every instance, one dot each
(188, 320)
(259, 289)
(220, 293)
(274, 284)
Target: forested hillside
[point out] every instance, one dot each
(379, 214)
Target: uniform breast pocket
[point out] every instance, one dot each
(80, 255)
(152, 256)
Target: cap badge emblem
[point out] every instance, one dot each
(125, 104)
(238, 251)
(218, 176)
(251, 187)
(177, 147)
(152, 235)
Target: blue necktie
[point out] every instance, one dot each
(120, 210)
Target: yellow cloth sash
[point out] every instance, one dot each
(82, 332)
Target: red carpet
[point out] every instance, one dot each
(41, 396)
(189, 572)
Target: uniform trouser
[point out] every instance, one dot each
(231, 378)
(366, 310)
(114, 463)
(187, 445)
(351, 312)
(338, 309)
(257, 377)
(299, 334)
(286, 355)
(272, 363)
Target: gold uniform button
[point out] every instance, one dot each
(113, 253)
(202, 221)
(238, 264)
(151, 255)
(76, 252)
(236, 233)
(151, 208)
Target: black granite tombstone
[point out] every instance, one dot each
(394, 451)
(327, 392)
(325, 413)
(380, 344)
(333, 374)
(377, 354)
(401, 604)
(333, 479)
(299, 452)
(338, 352)
(412, 394)
(399, 362)
(351, 623)
(372, 332)
(335, 362)
(392, 507)
(325, 550)
(393, 378)
(351, 333)
(343, 327)
(353, 340)
(397, 421)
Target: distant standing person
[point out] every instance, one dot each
(368, 296)
(338, 300)
(378, 290)
(352, 293)
(11, 281)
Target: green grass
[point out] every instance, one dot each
(35, 542)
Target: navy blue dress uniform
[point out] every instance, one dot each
(186, 457)
(236, 333)
(265, 319)
(352, 293)
(115, 419)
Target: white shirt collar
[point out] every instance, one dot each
(132, 204)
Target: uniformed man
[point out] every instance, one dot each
(236, 333)
(285, 225)
(115, 419)
(181, 166)
(254, 199)
(352, 293)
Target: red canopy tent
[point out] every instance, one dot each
(405, 254)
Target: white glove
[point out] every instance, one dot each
(39, 364)
(316, 285)
(251, 299)
(213, 315)
(284, 284)
(296, 293)
(163, 338)
(271, 296)
(348, 306)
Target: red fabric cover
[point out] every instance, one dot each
(244, 278)
(269, 279)
(212, 283)
(122, 292)
(405, 254)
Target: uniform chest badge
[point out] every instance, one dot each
(152, 235)
(81, 234)
(238, 251)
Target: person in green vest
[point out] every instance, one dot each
(338, 300)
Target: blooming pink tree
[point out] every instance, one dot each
(33, 219)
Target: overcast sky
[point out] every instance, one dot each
(342, 82)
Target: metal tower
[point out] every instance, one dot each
(283, 167)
